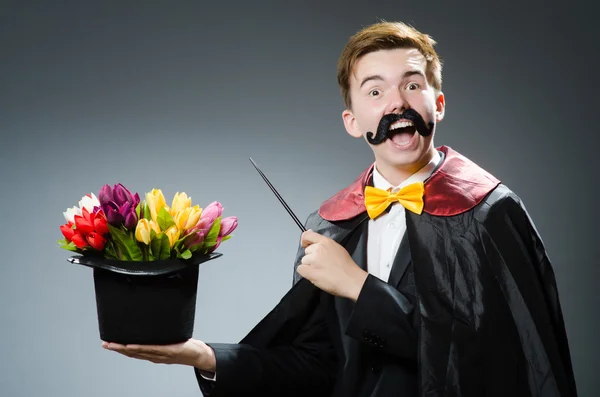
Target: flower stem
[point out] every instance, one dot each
(120, 254)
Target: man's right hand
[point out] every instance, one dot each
(192, 352)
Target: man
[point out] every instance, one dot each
(424, 277)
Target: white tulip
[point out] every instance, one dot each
(89, 203)
(71, 212)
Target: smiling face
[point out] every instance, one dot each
(387, 83)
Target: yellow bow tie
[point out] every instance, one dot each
(411, 197)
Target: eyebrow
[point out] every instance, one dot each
(370, 78)
(378, 77)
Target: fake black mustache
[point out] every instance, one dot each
(383, 133)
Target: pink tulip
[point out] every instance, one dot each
(193, 239)
(211, 212)
(228, 225)
(203, 226)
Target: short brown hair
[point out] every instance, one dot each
(386, 36)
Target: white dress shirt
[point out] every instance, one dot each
(385, 231)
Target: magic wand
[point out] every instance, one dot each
(287, 207)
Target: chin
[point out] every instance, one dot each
(404, 160)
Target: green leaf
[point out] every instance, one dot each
(226, 238)
(146, 210)
(178, 245)
(196, 247)
(110, 255)
(137, 210)
(165, 220)
(187, 254)
(69, 246)
(109, 250)
(160, 247)
(127, 247)
(213, 233)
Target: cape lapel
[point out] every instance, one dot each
(401, 261)
(357, 245)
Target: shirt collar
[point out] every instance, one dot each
(425, 172)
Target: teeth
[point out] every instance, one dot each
(400, 124)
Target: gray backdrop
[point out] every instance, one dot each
(178, 95)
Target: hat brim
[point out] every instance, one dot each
(142, 268)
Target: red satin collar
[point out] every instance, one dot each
(456, 186)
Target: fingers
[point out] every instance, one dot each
(143, 352)
(310, 237)
(304, 271)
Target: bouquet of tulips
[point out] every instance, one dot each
(118, 225)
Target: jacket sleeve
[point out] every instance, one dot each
(384, 317)
(301, 362)
(304, 367)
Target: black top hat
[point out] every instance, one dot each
(150, 302)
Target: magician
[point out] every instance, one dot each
(423, 277)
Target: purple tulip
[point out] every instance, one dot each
(105, 195)
(112, 215)
(119, 205)
(228, 225)
(129, 216)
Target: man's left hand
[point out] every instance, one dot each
(192, 352)
(328, 265)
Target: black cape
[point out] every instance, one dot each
(490, 318)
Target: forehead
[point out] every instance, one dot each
(389, 63)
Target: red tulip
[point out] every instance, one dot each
(100, 223)
(79, 240)
(90, 229)
(84, 222)
(96, 241)
(67, 231)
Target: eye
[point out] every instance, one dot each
(412, 86)
(374, 92)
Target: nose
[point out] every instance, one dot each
(397, 103)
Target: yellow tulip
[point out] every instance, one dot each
(155, 200)
(180, 217)
(193, 217)
(187, 217)
(173, 235)
(180, 202)
(142, 230)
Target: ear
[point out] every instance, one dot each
(351, 124)
(440, 107)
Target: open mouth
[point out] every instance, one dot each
(401, 132)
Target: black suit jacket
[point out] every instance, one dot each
(343, 348)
